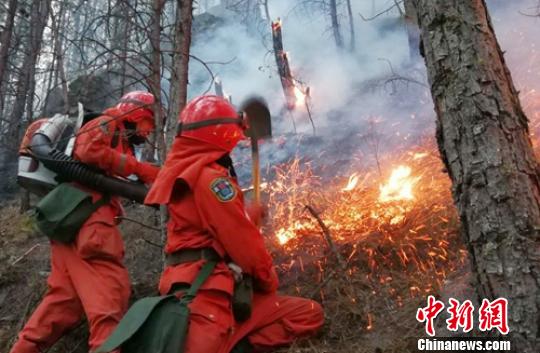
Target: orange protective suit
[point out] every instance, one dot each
(88, 276)
(206, 209)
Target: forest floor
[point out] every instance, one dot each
(367, 308)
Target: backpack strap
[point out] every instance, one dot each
(203, 274)
(116, 138)
(102, 201)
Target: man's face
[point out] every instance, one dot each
(144, 128)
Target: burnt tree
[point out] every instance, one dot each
(483, 138)
(282, 62)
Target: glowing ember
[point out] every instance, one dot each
(420, 155)
(284, 235)
(353, 180)
(370, 322)
(397, 219)
(399, 186)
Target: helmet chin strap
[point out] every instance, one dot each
(216, 121)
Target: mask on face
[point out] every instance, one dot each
(133, 137)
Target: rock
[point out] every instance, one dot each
(96, 92)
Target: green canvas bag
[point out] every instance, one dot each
(62, 212)
(156, 324)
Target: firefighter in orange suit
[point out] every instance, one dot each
(88, 276)
(207, 216)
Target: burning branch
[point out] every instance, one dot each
(294, 95)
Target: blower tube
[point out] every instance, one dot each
(71, 170)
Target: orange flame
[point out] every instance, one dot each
(399, 186)
(420, 155)
(353, 180)
(276, 24)
(285, 234)
(300, 96)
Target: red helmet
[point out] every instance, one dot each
(212, 119)
(129, 103)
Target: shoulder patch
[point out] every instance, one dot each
(223, 189)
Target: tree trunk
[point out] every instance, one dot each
(5, 37)
(411, 26)
(352, 42)
(335, 24)
(38, 19)
(283, 67)
(5, 41)
(483, 138)
(75, 55)
(182, 44)
(57, 23)
(122, 35)
(155, 82)
(24, 204)
(266, 11)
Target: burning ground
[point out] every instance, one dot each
(371, 247)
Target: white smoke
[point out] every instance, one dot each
(374, 87)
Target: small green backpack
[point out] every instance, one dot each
(157, 324)
(62, 212)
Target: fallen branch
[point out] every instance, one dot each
(152, 243)
(122, 218)
(328, 237)
(322, 284)
(25, 254)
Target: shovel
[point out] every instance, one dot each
(260, 127)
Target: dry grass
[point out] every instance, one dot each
(370, 306)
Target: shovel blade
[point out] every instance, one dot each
(260, 124)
